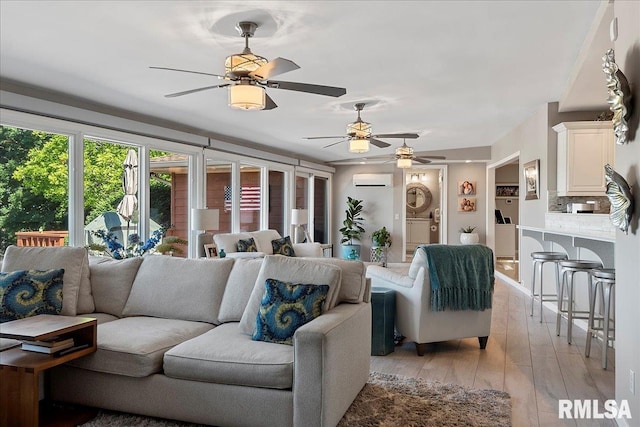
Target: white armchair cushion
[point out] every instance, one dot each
(419, 260)
(313, 250)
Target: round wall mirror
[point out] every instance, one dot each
(418, 197)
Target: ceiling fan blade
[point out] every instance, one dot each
(421, 160)
(187, 92)
(323, 137)
(309, 88)
(378, 143)
(188, 71)
(397, 135)
(273, 68)
(434, 157)
(269, 104)
(332, 144)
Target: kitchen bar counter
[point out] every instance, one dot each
(599, 242)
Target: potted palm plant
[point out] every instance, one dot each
(352, 229)
(381, 240)
(468, 236)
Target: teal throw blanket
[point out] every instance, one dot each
(461, 276)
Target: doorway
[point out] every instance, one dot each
(424, 199)
(503, 214)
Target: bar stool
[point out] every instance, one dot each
(569, 268)
(539, 258)
(606, 279)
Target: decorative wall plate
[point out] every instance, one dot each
(619, 97)
(621, 199)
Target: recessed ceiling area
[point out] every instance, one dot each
(460, 74)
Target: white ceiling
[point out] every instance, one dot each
(459, 73)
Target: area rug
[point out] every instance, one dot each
(387, 401)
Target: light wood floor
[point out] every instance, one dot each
(523, 357)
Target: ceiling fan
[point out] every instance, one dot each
(249, 75)
(405, 157)
(359, 135)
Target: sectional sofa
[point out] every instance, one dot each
(174, 338)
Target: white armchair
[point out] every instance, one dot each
(414, 318)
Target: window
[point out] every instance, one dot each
(34, 179)
(250, 198)
(277, 191)
(219, 192)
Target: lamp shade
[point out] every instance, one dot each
(404, 163)
(205, 219)
(247, 97)
(299, 216)
(358, 145)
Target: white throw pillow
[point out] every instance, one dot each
(238, 290)
(111, 281)
(287, 269)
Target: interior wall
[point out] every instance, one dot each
(627, 56)
(460, 172)
(378, 210)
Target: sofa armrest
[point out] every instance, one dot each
(308, 250)
(385, 277)
(332, 355)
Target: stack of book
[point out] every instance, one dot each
(49, 346)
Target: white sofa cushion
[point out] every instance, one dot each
(178, 288)
(263, 240)
(294, 270)
(76, 287)
(228, 241)
(135, 346)
(241, 281)
(353, 284)
(225, 355)
(111, 281)
(313, 250)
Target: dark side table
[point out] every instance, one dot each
(383, 312)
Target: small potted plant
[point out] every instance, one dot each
(381, 242)
(468, 236)
(352, 229)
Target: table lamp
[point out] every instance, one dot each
(299, 218)
(203, 220)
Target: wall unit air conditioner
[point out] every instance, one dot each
(373, 180)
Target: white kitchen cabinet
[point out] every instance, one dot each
(506, 240)
(418, 232)
(583, 150)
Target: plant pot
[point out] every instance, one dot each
(351, 252)
(379, 254)
(469, 238)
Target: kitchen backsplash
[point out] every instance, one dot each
(559, 203)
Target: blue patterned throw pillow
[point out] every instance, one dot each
(247, 245)
(285, 307)
(26, 293)
(283, 247)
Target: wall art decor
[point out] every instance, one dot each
(466, 204)
(467, 188)
(619, 97)
(621, 199)
(532, 179)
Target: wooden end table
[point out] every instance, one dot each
(20, 369)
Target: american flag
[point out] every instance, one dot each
(249, 198)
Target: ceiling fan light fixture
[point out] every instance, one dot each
(247, 97)
(358, 145)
